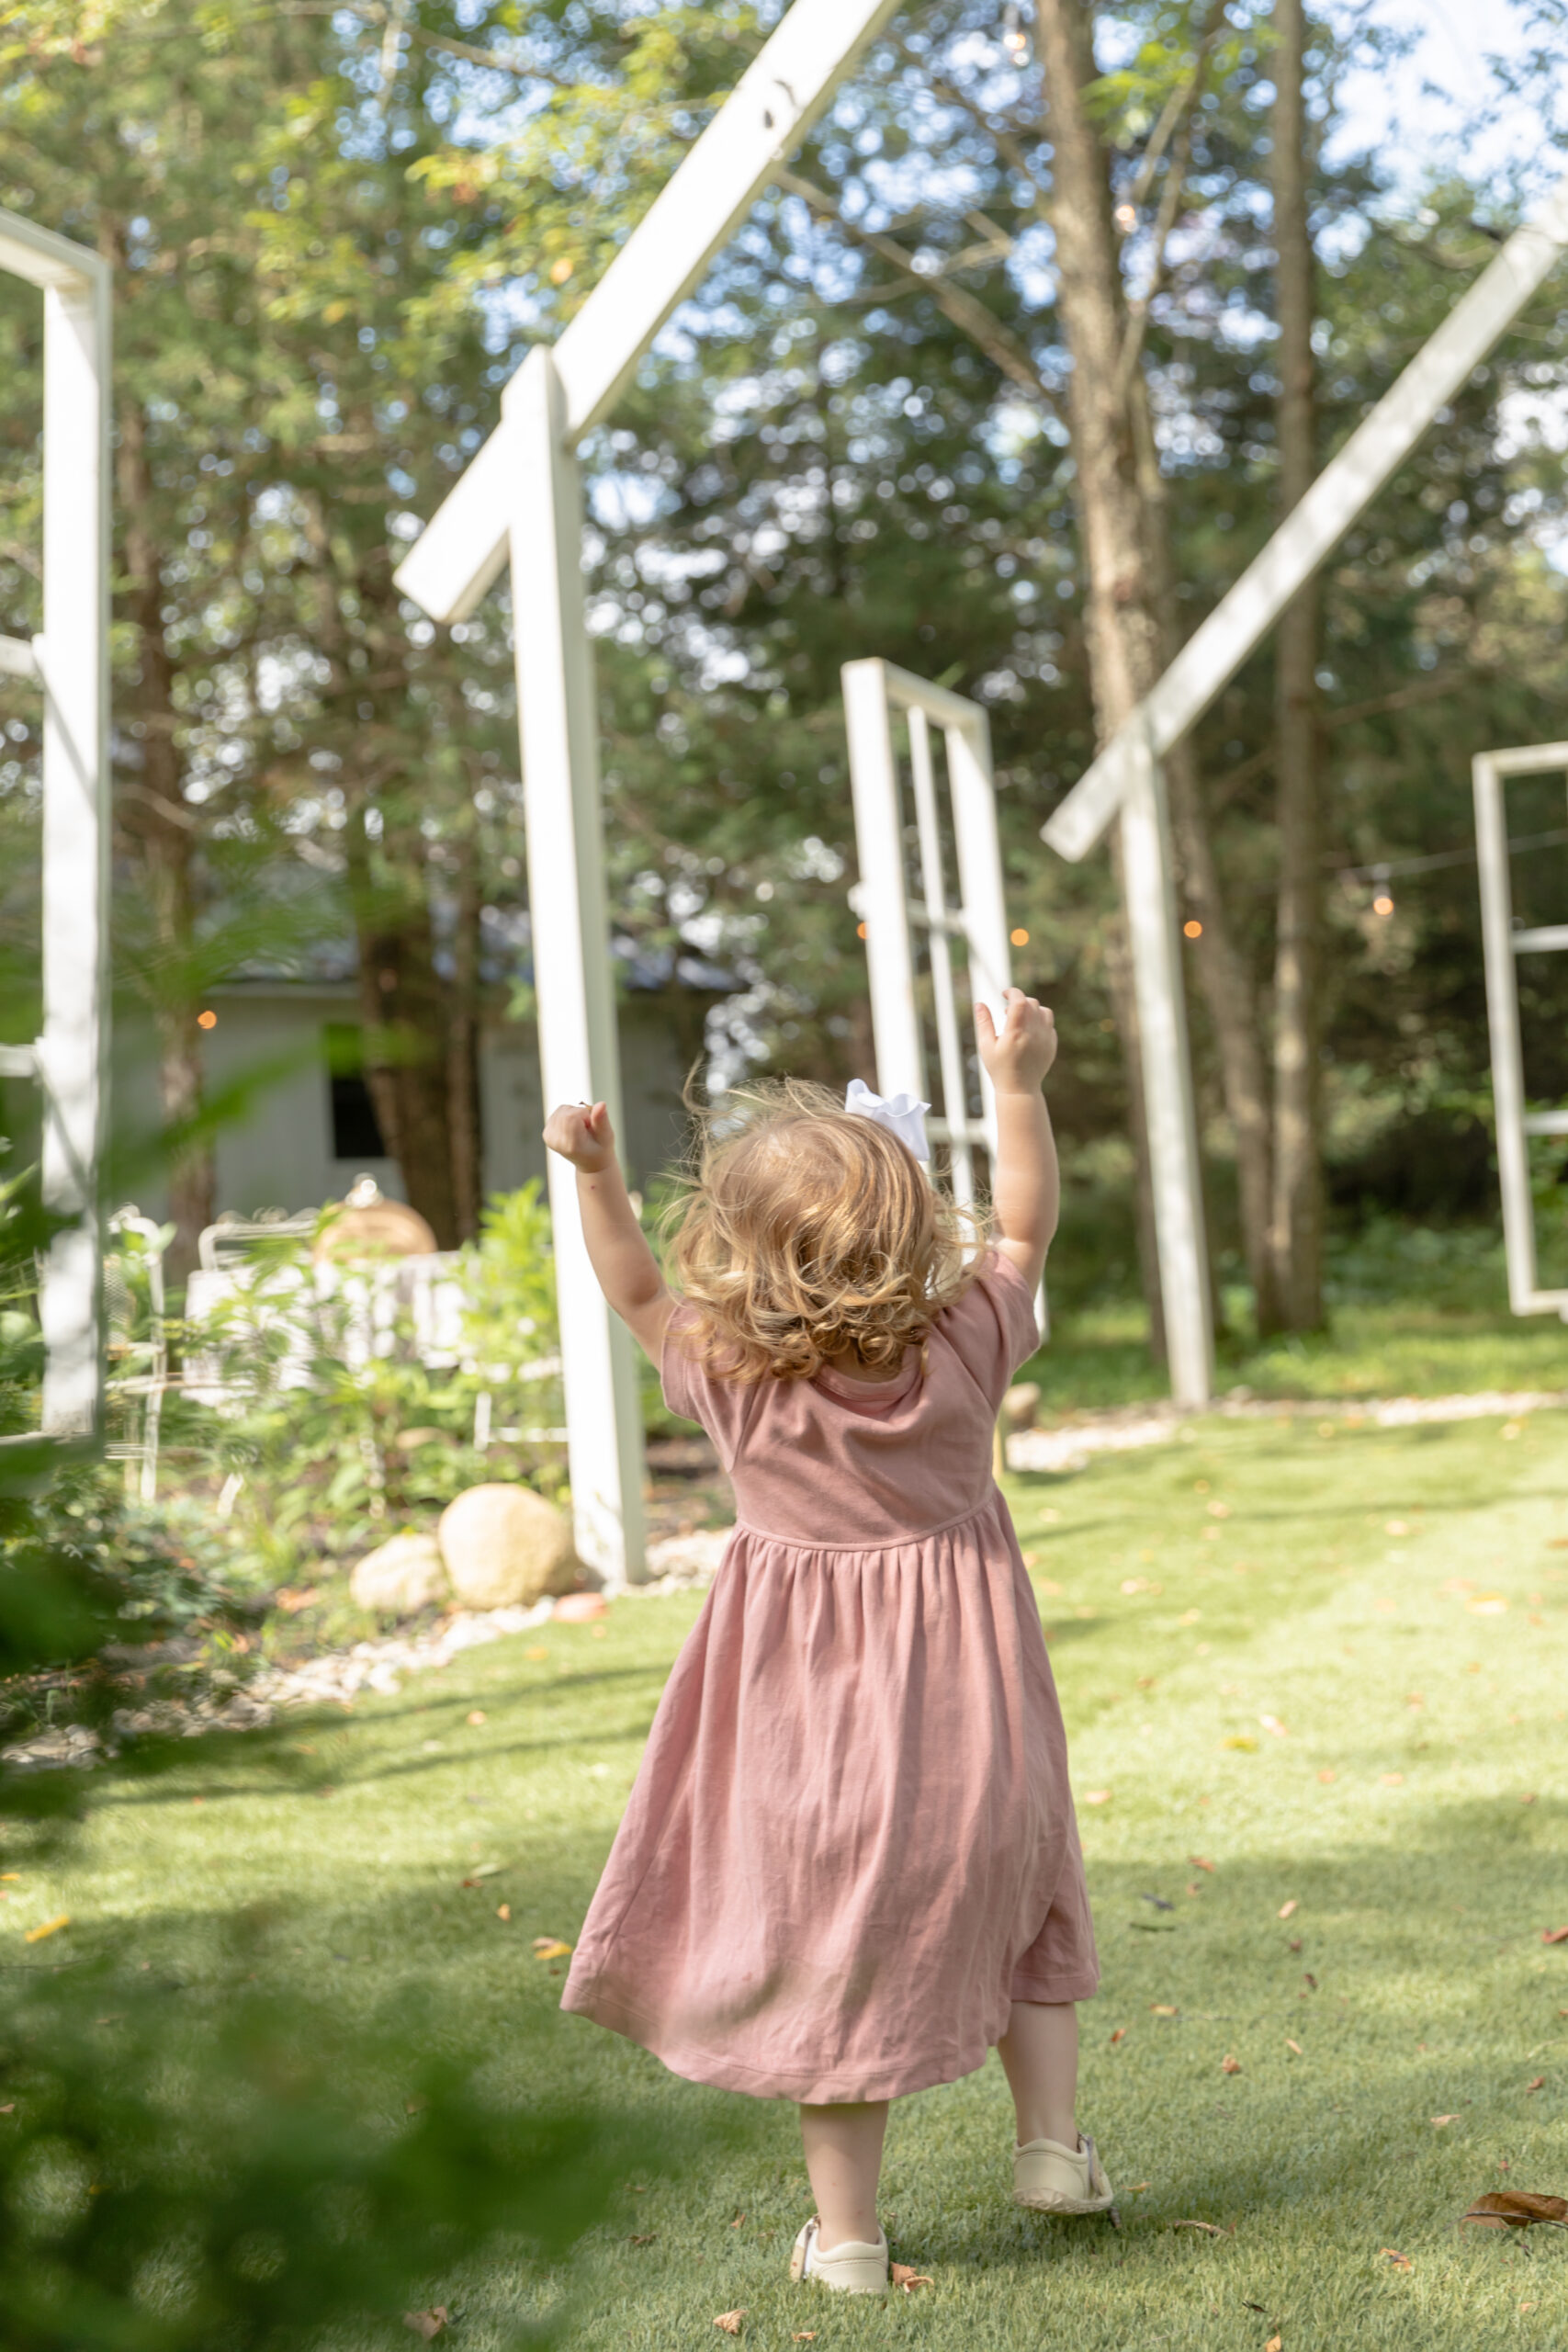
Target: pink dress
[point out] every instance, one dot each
(851, 1844)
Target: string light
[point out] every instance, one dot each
(860, 931)
(207, 1020)
(1018, 938)
(1194, 929)
(1015, 40)
(1383, 904)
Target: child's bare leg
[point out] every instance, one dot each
(1040, 2054)
(843, 2156)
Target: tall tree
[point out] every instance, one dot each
(1295, 1237)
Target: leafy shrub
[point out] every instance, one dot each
(345, 1416)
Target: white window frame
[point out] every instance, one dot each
(875, 691)
(1504, 946)
(69, 660)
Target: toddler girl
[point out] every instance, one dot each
(849, 1863)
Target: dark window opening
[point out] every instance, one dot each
(356, 1131)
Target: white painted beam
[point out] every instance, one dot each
(879, 841)
(1346, 487)
(18, 657)
(1169, 1108)
(757, 127)
(71, 1052)
(573, 976)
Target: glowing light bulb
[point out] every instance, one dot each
(207, 1020)
(1018, 938)
(1383, 904)
(1194, 929)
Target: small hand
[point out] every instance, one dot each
(582, 1133)
(1017, 1055)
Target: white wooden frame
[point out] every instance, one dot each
(1504, 946)
(70, 660)
(1125, 779)
(874, 691)
(520, 498)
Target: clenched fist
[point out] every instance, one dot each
(1017, 1055)
(582, 1133)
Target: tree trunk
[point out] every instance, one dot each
(407, 1027)
(153, 812)
(1120, 625)
(1296, 1224)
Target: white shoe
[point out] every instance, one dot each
(1055, 2179)
(853, 2268)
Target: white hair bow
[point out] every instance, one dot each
(903, 1114)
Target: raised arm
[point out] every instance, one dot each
(1025, 1184)
(628, 1273)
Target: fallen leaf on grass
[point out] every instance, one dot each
(1518, 2209)
(1400, 2261)
(730, 2321)
(429, 2324)
(1327, 1774)
(1539, 2085)
(1554, 1935)
(1162, 2008)
(1309, 1980)
(1229, 2065)
(1439, 2121)
(1529, 1800)
(550, 1948)
(536, 1654)
(1286, 1908)
(1394, 1780)
(504, 1910)
(1097, 1796)
(804, 2336)
(646, 2238)
(47, 1927)
(1274, 2344)
(1198, 1863)
(1210, 2228)
(475, 1715)
(9, 2108)
(1119, 2035)
(1295, 2046)
(291, 1603)
(1272, 1723)
(908, 2279)
(1487, 1604)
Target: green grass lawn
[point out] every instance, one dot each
(1332, 1662)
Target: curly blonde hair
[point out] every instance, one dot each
(805, 1232)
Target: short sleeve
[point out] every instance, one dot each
(992, 1328)
(722, 1407)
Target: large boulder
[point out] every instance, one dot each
(401, 1577)
(504, 1545)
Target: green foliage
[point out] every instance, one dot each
(346, 1416)
(261, 2176)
